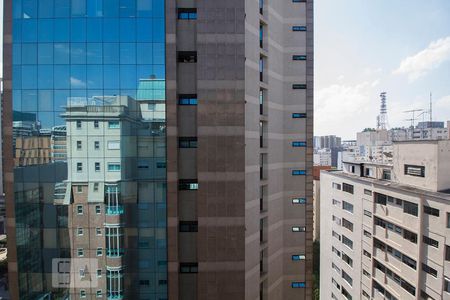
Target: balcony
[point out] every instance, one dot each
(115, 252)
(114, 210)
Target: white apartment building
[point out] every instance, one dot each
(385, 228)
(322, 157)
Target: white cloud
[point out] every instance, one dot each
(75, 82)
(344, 109)
(426, 60)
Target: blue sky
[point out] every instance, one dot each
(365, 47)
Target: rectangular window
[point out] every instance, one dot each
(187, 56)
(448, 220)
(429, 270)
(297, 257)
(188, 184)
(446, 284)
(99, 273)
(298, 229)
(335, 283)
(113, 167)
(79, 167)
(98, 231)
(80, 209)
(365, 273)
(78, 124)
(367, 213)
(299, 86)
(298, 172)
(187, 142)
(113, 145)
(187, 99)
(347, 224)
(96, 145)
(97, 167)
(336, 235)
(299, 115)
(99, 251)
(97, 209)
(299, 201)
(298, 1)
(411, 236)
(367, 234)
(347, 278)
(347, 188)
(386, 174)
(80, 231)
(298, 57)
(346, 294)
(336, 251)
(347, 206)
(347, 259)
(298, 28)
(367, 253)
(367, 192)
(336, 202)
(418, 171)
(346, 241)
(78, 145)
(79, 188)
(431, 211)
(187, 14)
(188, 267)
(410, 208)
(113, 124)
(80, 252)
(380, 199)
(297, 285)
(336, 186)
(96, 124)
(99, 294)
(430, 242)
(188, 226)
(298, 144)
(82, 293)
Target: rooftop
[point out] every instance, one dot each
(389, 184)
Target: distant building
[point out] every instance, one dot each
(327, 141)
(316, 200)
(385, 227)
(322, 157)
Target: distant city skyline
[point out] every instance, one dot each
(365, 48)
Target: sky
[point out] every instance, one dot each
(363, 48)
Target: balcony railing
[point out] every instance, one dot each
(114, 210)
(115, 252)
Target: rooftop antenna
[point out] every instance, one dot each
(382, 121)
(413, 119)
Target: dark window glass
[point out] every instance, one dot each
(187, 14)
(298, 144)
(412, 170)
(188, 226)
(298, 172)
(299, 86)
(431, 242)
(187, 56)
(298, 57)
(431, 211)
(186, 99)
(299, 115)
(347, 188)
(429, 270)
(188, 184)
(410, 208)
(298, 28)
(187, 142)
(188, 267)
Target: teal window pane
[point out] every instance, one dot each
(112, 32)
(111, 8)
(144, 53)
(128, 30)
(45, 53)
(29, 54)
(61, 53)
(29, 77)
(78, 30)
(29, 9)
(61, 30)
(45, 76)
(45, 30)
(144, 8)
(29, 100)
(29, 30)
(95, 76)
(111, 76)
(46, 8)
(127, 53)
(127, 8)
(111, 53)
(78, 77)
(95, 8)
(94, 53)
(94, 29)
(61, 77)
(62, 10)
(78, 53)
(78, 7)
(45, 100)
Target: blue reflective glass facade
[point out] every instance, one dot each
(89, 131)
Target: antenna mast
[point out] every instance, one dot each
(382, 122)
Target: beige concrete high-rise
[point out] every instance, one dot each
(385, 228)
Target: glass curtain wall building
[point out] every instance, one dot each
(88, 96)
